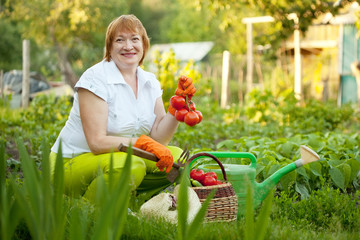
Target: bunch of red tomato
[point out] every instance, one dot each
(185, 110)
(205, 178)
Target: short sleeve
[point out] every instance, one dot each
(93, 83)
(154, 82)
(158, 89)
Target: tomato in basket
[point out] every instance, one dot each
(209, 181)
(197, 174)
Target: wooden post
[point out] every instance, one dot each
(241, 83)
(225, 78)
(214, 77)
(249, 58)
(26, 74)
(297, 58)
(298, 82)
(249, 46)
(259, 71)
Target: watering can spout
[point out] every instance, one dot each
(262, 189)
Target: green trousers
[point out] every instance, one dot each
(81, 173)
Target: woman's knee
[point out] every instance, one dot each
(138, 167)
(176, 151)
(82, 170)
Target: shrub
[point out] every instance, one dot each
(325, 209)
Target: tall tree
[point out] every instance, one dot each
(150, 13)
(185, 23)
(64, 24)
(10, 51)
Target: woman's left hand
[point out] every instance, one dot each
(185, 87)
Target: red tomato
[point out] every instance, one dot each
(197, 174)
(211, 174)
(200, 115)
(218, 182)
(191, 105)
(191, 118)
(180, 114)
(177, 102)
(209, 181)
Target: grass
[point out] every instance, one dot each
(37, 203)
(277, 229)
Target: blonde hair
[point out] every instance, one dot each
(129, 23)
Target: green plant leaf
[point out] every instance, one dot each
(249, 214)
(9, 211)
(273, 168)
(183, 205)
(287, 149)
(200, 216)
(250, 143)
(58, 197)
(228, 144)
(315, 168)
(315, 141)
(187, 231)
(263, 218)
(259, 169)
(112, 209)
(302, 172)
(355, 167)
(334, 163)
(346, 169)
(2, 166)
(337, 177)
(79, 221)
(300, 188)
(287, 180)
(29, 196)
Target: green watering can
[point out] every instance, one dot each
(240, 176)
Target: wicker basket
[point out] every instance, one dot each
(224, 205)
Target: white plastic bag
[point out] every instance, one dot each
(163, 206)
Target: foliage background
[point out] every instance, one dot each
(318, 201)
(68, 36)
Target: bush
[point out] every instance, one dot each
(325, 209)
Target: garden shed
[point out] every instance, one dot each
(184, 51)
(328, 49)
(349, 52)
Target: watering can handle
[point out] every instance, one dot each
(204, 154)
(236, 155)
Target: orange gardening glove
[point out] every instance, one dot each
(185, 87)
(161, 152)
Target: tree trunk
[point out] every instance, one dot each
(65, 67)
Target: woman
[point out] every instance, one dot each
(115, 102)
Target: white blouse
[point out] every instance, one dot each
(128, 116)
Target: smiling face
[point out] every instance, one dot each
(127, 50)
(126, 30)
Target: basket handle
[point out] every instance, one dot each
(202, 155)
